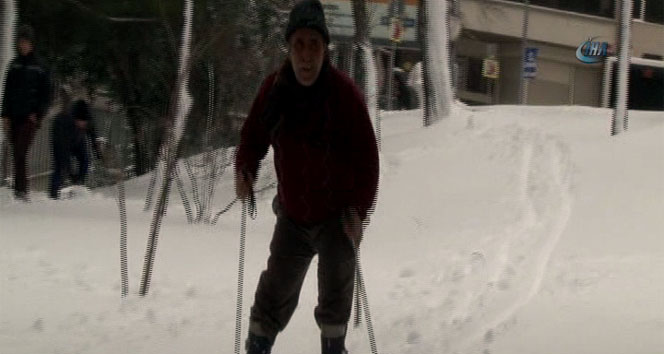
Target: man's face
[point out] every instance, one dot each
(307, 52)
(24, 46)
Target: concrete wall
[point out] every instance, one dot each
(555, 26)
(546, 25)
(647, 38)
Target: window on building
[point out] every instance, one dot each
(654, 11)
(638, 8)
(470, 75)
(648, 11)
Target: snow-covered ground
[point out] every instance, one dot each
(501, 230)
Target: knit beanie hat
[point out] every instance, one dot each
(307, 14)
(25, 32)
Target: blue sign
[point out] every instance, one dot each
(591, 52)
(530, 62)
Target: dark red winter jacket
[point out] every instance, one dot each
(325, 152)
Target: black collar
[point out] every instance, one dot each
(26, 58)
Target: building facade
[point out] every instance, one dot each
(557, 28)
(493, 29)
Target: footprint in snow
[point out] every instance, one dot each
(413, 338)
(488, 337)
(191, 292)
(406, 273)
(38, 325)
(150, 316)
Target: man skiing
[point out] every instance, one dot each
(68, 138)
(26, 98)
(326, 159)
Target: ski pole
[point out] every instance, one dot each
(362, 292)
(240, 278)
(358, 309)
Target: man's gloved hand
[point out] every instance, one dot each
(352, 225)
(244, 184)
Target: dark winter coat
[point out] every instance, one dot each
(27, 89)
(325, 151)
(66, 136)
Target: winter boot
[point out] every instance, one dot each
(258, 345)
(333, 345)
(21, 196)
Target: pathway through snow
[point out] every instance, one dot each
(472, 298)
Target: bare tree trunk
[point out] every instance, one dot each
(366, 76)
(436, 69)
(9, 15)
(361, 21)
(180, 107)
(422, 25)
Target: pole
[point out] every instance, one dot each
(606, 83)
(390, 76)
(620, 113)
(523, 84)
(124, 273)
(211, 155)
(351, 56)
(111, 163)
(240, 279)
(364, 299)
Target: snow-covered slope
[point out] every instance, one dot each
(501, 230)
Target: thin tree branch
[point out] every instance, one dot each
(87, 9)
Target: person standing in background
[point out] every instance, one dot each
(26, 99)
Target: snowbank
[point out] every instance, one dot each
(503, 230)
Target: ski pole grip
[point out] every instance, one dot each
(252, 198)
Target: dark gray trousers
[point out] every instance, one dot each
(291, 250)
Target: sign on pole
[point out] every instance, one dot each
(530, 62)
(396, 30)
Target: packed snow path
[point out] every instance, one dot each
(469, 297)
(502, 230)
